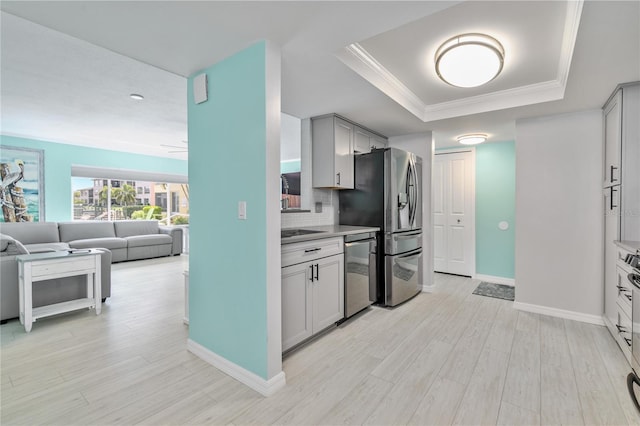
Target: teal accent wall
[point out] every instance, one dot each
(227, 264)
(58, 159)
(495, 202)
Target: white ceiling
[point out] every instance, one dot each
(69, 79)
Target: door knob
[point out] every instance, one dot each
(458, 220)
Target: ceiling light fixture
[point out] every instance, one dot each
(469, 60)
(136, 96)
(472, 139)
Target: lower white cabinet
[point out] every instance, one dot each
(312, 296)
(618, 301)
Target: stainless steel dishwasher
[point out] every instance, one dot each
(360, 281)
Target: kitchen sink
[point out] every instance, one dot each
(286, 233)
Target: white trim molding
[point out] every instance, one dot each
(428, 288)
(363, 63)
(496, 280)
(244, 376)
(560, 313)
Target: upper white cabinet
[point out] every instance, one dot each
(365, 141)
(334, 141)
(621, 159)
(612, 140)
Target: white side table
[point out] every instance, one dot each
(59, 264)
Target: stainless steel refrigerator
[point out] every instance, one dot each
(388, 194)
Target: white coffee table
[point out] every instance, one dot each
(59, 264)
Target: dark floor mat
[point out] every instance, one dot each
(499, 291)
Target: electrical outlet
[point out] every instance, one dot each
(242, 210)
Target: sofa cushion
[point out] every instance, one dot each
(108, 243)
(81, 230)
(128, 228)
(10, 246)
(45, 247)
(31, 232)
(148, 240)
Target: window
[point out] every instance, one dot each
(91, 198)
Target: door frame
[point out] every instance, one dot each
(472, 221)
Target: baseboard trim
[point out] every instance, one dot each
(560, 313)
(496, 280)
(428, 288)
(244, 376)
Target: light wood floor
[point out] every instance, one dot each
(444, 358)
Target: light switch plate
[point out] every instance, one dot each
(242, 210)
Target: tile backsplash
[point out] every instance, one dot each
(328, 216)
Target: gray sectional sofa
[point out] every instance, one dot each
(126, 239)
(119, 241)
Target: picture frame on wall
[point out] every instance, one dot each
(22, 184)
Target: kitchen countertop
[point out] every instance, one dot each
(630, 246)
(328, 231)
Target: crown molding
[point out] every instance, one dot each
(503, 99)
(363, 63)
(571, 25)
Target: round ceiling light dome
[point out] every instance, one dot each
(472, 139)
(469, 60)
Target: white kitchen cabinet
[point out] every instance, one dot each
(312, 288)
(332, 147)
(610, 256)
(362, 141)
(612, 140)
(366, 140)
(618, 301)
(296, 305)
(621, 196)
(328, 292)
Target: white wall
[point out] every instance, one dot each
(309, 195)
(421, 144)
(559, 222)
(289, 137)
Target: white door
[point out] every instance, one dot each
(453, 213)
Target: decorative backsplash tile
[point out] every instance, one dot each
(328, 216)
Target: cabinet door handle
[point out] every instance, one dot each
(317, 272)
(622, 289)
(611, 205)
(628, 296)
(312, 250)
(621, 329)
(626, 339)
(311, 266)
(338, 178)
(611, 169)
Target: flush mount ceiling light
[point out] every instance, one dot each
(469, 60)
(136, 96)
(472, 139)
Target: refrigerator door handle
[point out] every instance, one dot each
(413, 191)
(631, 379)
